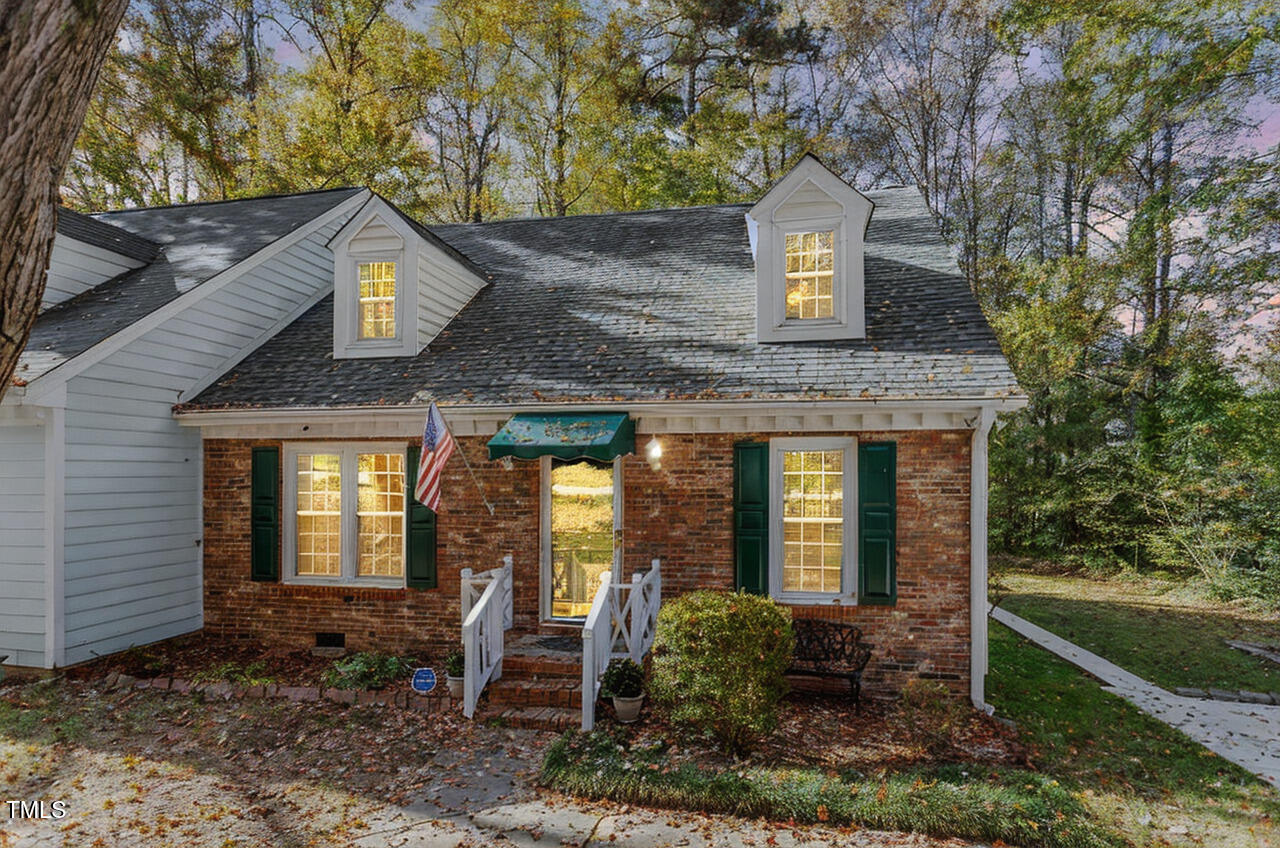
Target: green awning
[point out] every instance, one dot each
(568, 435)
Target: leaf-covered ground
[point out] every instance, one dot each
(149, 768)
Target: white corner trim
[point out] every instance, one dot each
(55, 586)
(978, 481)
(41, 386)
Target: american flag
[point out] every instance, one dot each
(437, 445)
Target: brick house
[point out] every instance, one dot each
(790, 397)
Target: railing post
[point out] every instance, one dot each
(508, 612)
(465, 580)
(588, 681)
(637, 612)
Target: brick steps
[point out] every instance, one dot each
(519, 690)
(534, 665)
(555, 719)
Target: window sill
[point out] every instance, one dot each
(814, 599)
(339, 583)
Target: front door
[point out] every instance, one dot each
(581, 520)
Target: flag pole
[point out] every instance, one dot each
(463, 453)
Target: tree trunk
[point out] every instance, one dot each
(50, 55)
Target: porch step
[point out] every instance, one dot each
(555, 719)
(519, 690)
(515, 664)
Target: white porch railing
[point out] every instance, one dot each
(486, 615)
(621, 623)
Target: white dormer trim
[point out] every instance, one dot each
(810, 198)
(391, 240)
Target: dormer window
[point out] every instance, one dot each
(395, 284)
(810, 272)
(807, 237)
(377, 299)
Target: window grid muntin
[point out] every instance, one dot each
(810, 274)
(812, 520)
(319, 515)
(380, 513)
(377, 300)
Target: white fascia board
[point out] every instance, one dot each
(41, 386)
(653, 417)
(374, 207)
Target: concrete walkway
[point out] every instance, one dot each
(1246, 734)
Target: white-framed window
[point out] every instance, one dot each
(810, 274)
(376, 300)
(812, 550)
(345, 513)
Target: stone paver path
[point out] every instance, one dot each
(1246, 734)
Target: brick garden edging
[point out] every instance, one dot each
(435, 701)
(1243, 696)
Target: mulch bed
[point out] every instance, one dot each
(195, 655)
(825, 732)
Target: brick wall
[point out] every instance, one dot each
(682, 514)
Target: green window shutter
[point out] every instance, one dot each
(422, 532)
(877, 523)
(751, 516)
(264, 515)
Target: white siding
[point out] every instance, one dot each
(22, 544)
(76, 267)
(132, 474)
(442, 292)
(375, 236)
(808, 201)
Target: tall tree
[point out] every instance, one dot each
(50, 55)
(469, 61)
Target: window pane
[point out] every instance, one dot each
(380, 510)
(319, 515)
(810, 264)
(812, 520)
(377, 300)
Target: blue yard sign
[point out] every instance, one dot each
(424, 680)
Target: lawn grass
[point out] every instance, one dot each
(1006, 807)
(1156, 629)
(1144, 779)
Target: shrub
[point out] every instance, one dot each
(929, 715)
(366, 670)
(718, 664)
(455, 664)
(624, 678)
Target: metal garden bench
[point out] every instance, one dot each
(830, 649)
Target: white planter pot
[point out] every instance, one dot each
(628, 709)
(455, 685)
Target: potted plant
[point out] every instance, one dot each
(624, 683)
(455, 665)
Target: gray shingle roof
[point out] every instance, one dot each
(649, 306)
(82, 228)
(196, 242)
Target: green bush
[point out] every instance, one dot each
(455, 664)
(929, 715)
(718, 664)
(366, 670)
(624, 678)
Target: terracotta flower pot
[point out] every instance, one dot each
(628, 709)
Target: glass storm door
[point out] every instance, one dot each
(582, 522)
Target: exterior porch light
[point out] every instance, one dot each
(653, 453)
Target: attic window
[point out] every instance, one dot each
(810, 274)
(377, 300)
